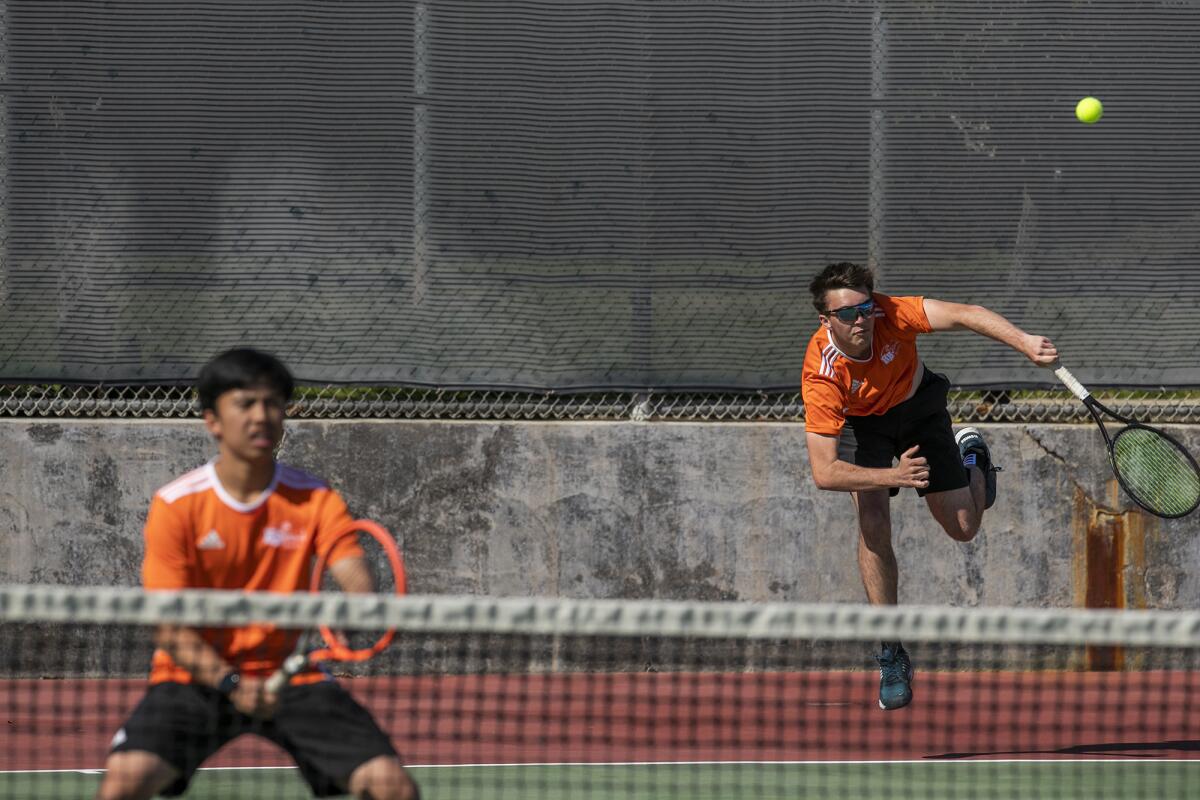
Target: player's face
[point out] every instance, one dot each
(248, 423)
(849, 319)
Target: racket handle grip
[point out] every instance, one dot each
(291, 666)
(1069, 381)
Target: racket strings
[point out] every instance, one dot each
(1156, 471)
(377, 551)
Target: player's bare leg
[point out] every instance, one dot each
(959, 511)
(135, 775)
(877, 564)
(876, 558)
(382, 778)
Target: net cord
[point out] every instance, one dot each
(562, 616)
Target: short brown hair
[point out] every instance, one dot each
(842, 275)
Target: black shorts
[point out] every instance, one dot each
(320, 725)
(878, 440)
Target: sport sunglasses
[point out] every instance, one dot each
(849, 314)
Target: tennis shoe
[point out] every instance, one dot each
(895, 677)
(970, 442)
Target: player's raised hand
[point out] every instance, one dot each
(913, 470)
(1039, 350)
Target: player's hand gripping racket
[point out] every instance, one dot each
(1154, 470)
(385, 573)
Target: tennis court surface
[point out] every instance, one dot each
(643, 699)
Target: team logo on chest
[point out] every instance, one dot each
(889, 352)
(211, 541)
(855, 383)
(282, 536)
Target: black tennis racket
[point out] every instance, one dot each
(1155, 470)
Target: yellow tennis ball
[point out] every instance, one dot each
(1089, 110)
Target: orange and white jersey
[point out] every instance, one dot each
(835, 385)
(199, 537)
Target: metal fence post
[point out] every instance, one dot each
(877, 179)
(421, 154)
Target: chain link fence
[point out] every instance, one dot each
(342, 402)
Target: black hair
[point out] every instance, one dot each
(842, 275)
(242, 368)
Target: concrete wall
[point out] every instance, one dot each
(668, 510)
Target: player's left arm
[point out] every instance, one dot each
(352, 574)
(945, 316)
(346, 561)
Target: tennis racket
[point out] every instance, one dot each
(382, 558)
(1155, 470)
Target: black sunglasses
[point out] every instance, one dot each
(849, 314)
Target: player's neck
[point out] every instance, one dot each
(245, 481)
(859, 353)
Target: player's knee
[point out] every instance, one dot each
(396, 787)
(875, 524)
(961, 528)
(383, 779)
(405, 788)
(120, 793)
(118, 789)
(133, 776)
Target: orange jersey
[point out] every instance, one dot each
(835, 385)
(199, 537)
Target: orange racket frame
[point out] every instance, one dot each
(335, 648)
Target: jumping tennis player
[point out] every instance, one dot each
(876, 421)
(243, 521)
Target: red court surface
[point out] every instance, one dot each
(640, 717)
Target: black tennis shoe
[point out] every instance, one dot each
(975, 452)
(895, 677)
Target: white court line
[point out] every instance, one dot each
(1138, 760)
(1111, 760)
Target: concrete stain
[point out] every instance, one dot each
(1110, 562)
(44, 434)
(662, 575)
(104, 490)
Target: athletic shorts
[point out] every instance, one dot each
(320, 725)
(879, 440)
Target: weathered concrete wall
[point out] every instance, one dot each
(672, 510)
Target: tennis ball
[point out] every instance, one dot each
(1089, 110)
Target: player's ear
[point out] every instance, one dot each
(212, 422)
(822, 317)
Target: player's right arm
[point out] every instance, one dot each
(191, 652)
(167, 565)
(831, 473)
(825, 403)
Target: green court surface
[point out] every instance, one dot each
(933, 780)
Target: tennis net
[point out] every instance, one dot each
(557, 698)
